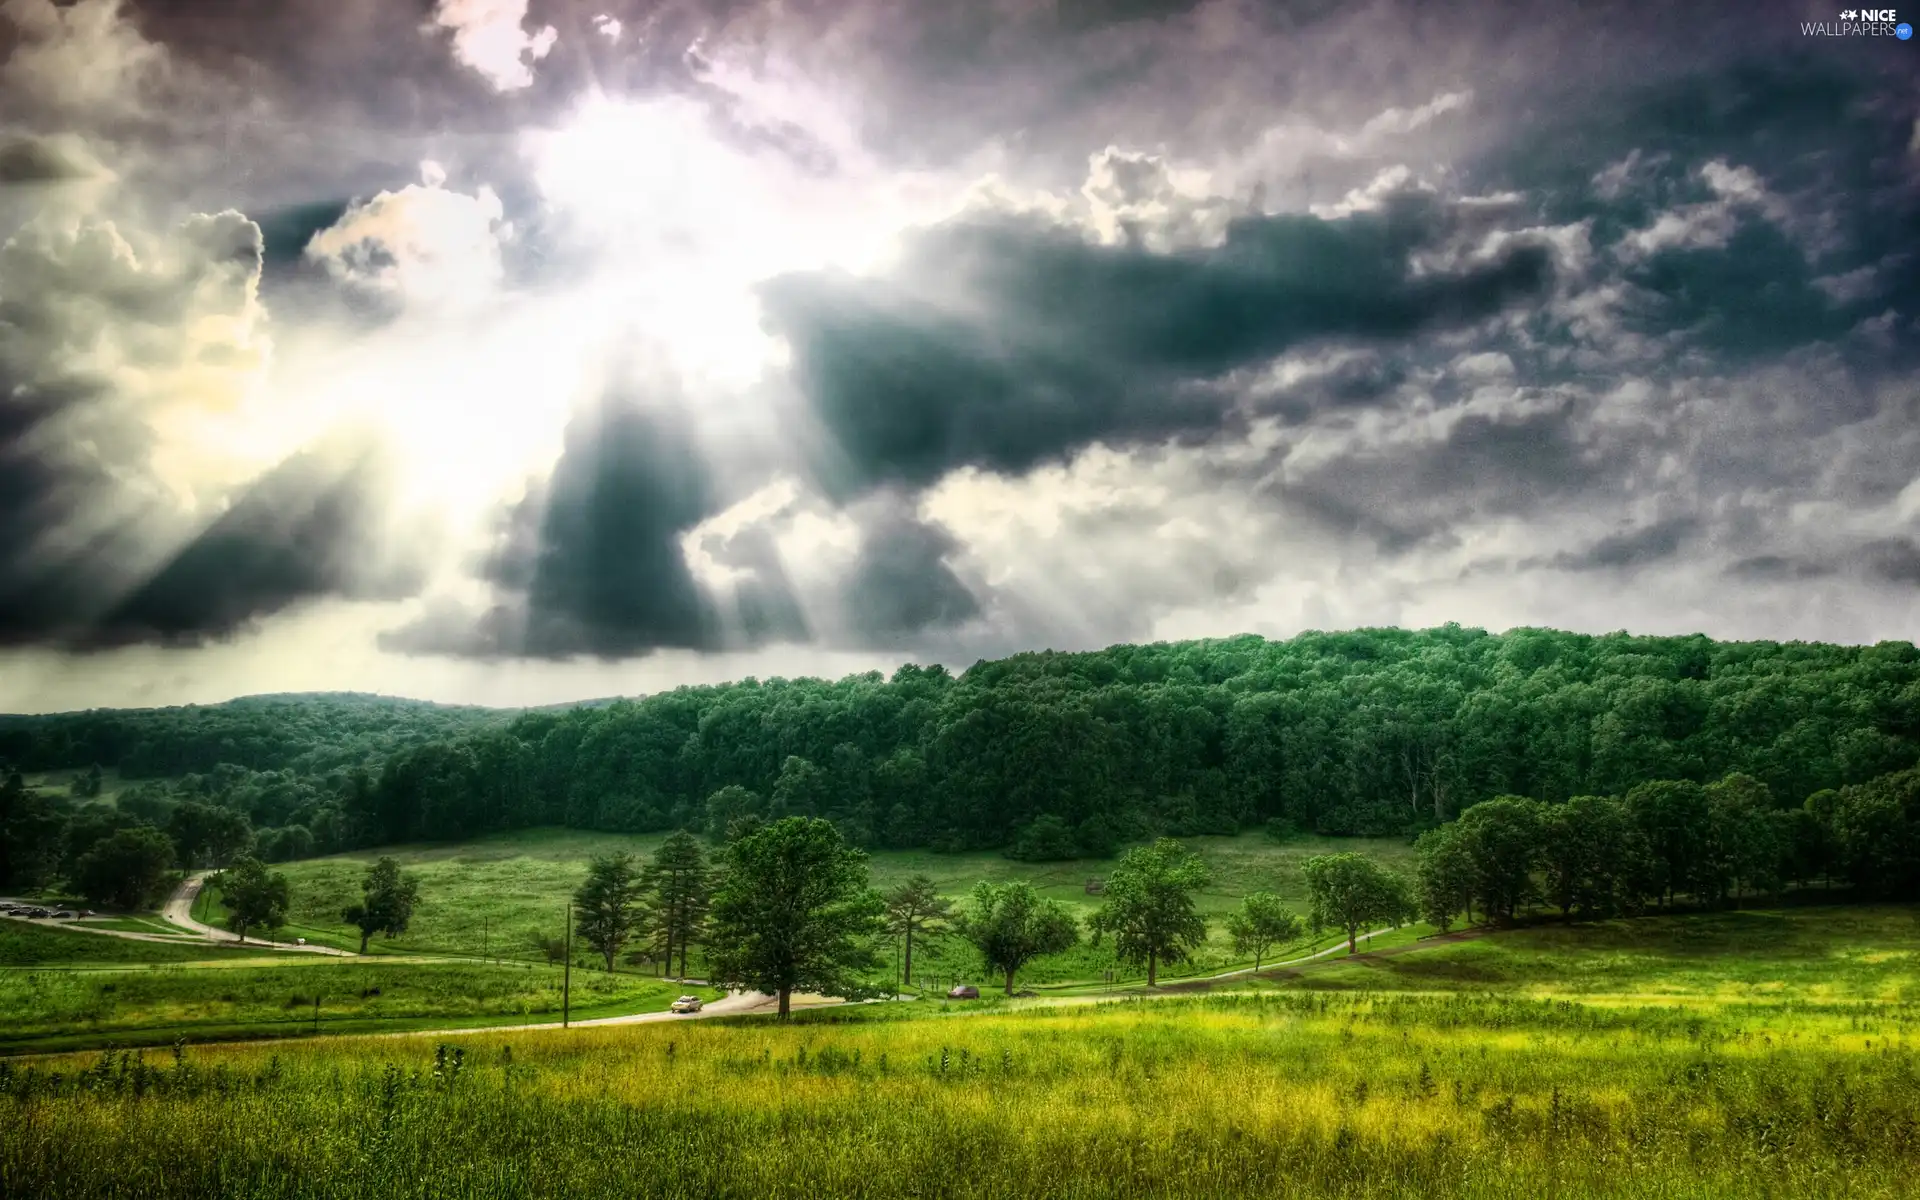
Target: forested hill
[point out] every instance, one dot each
(309, 733)
(1372, 731)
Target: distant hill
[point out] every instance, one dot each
(306, 732)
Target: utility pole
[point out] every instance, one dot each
(566, 978)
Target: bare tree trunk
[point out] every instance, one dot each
(786, 999)
(683, 956)
(1009, 983)
(1353, 946)
(364, 935)
(1153, 969)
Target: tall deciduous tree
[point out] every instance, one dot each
(916, 909)
(1262, 922)
(1010, 924)
(387, 897)
(678, 879)
(1350, 892)
(795, 913)
(1148, 906)
(607, 906)
(1443, 877)
(1502, 841)
(128, 869)
(253, 898)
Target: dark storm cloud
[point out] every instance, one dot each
(901, 585)
(1050, 342)
(1773, 568)
(1893, 560)
(1641, 547)
(26, 159)
(300, 533)
(592, 563)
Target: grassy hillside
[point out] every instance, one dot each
(1813, 955)
(497, 893)
(1807, 1089)
(23, 945)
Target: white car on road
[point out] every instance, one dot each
(687, 1004)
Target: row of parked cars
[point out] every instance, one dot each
(35, 912)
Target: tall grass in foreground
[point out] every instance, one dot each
(1287, 1095)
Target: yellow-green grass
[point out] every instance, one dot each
(37, 944)
(46, 1007)
(1298, 1095)
(1810, 955)
(494, 894)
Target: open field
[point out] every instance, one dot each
(1290, 1093)
(157, 1005)
(495, 894)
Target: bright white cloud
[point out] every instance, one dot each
(491, 37)
(423, 243)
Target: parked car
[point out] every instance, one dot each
(965, 991)
(37, 913)
(65, 914)
(687, 1004)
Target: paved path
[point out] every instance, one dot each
(179, 911)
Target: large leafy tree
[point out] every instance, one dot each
(1501, 838)
(679, 881)
(128, 869)
(794, 912)
(1443, 877)
(253, 898)
(1262, 922)
(1350, 892)
(917, 909)
(606, 907)
(1148, 906)
(1010, 924)
(387, 897)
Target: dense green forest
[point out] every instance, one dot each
(1046, 755)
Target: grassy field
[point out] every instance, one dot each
(497, 893)
(1811, 1090)
(46, 1007)
(37, 944)
(1813, 955)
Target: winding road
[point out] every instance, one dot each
(179, 911)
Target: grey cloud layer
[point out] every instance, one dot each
(1641, 303)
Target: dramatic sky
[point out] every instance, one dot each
(514, 351)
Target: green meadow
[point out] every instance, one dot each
(495, 895)
(1489, 1086)
(156, 1005)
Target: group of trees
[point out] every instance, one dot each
(1711, 843)
(663, 902)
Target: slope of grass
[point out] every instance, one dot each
(34, 944)
(1811, 955)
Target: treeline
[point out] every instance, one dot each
(1594, 856)
(305, 734)
(1053, 755)
(1046, 755)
